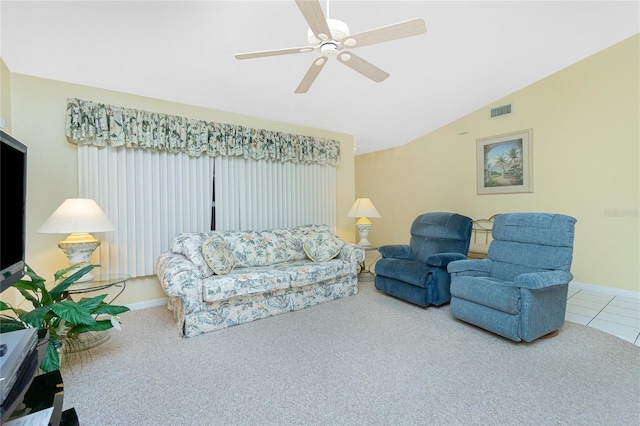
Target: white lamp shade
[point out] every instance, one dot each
(77, 215)
(363, 207)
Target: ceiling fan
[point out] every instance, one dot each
(331, 37)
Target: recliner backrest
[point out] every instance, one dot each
(439, 232)
(531, 242)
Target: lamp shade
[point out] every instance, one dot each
(77, 215)
(363, 207)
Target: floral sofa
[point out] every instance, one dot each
(218, 279)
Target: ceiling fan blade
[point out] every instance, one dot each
(382, 34)
(312, 12)
(311, 74)
(363, 67)
(276, 52)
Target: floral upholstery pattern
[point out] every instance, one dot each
(272, 275)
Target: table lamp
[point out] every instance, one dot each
(364, 209)
(78, 217)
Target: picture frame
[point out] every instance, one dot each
(504, 163)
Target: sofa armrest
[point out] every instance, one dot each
(443, 259)
(471, 267)
(542, 280)
(395, 251)
(352, 253)
(178, 276)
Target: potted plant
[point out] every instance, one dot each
(62, 318)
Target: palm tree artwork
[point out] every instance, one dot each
(503, 164)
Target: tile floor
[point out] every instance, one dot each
(616, 315)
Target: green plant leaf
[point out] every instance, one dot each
(35, 318)
(109, 309)
(100, 325)
(30, 289)
(10, 324)
(4, 306)
(72, 312)
(32, 274)
(30, 297)
(62, 272)
(51, 360)
(57, 291)
(91, 303)
(19, 312)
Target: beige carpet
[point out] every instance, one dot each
(368, 359)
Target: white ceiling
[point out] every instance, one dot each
(472, 54)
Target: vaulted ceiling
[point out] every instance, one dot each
(472, 53)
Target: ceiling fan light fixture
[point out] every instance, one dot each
(329, 48)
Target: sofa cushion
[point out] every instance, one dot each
(321, 246)
(243, 281)
(218, 255)
(248, 247)
(305, 272)
(283, 245)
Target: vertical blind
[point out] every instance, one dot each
(149, 196)
(259, 195)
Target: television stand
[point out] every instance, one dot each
(36, 393)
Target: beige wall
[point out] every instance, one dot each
(5, 96)
(586, 137)
(38, 106)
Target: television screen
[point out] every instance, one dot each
(13, 201)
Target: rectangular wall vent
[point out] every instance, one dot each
(500, 111)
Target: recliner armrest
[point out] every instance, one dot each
(443, 259)
(470, 267)
(396, 251)
(541, 280)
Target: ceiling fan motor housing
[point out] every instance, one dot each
(338, 29)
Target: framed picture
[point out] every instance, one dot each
(504, 163)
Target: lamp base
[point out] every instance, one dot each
(79, 248)
(363, 229)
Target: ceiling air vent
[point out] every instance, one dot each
(500, 111)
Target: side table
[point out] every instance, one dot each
(100, 282)
(365, 273)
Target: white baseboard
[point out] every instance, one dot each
(605, 290)
(147, 304)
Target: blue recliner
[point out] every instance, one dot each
(520, 290)
(417, 272)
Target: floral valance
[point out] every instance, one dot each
(92, 123)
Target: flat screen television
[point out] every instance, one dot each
(13, 202)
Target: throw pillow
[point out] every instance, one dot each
(321, 247)
(218, 255)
